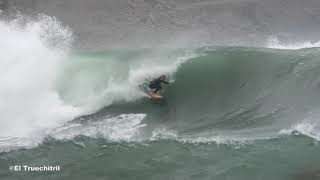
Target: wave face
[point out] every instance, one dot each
(217, 94)
(243, 89)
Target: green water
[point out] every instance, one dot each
(284, 158)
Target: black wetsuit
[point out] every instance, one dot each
(156, 84)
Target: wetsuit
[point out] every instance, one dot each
(156, 84)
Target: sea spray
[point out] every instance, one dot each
(32, 52)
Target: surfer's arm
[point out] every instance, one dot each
(165, 82)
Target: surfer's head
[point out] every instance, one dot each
(163, 76)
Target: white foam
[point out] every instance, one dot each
(164, 133)
(148, 69)
(305, 128)
(31, 54)
(114, 82)
(125, 127)
(274, 43)
(223, 137)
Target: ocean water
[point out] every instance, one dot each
(230, 112)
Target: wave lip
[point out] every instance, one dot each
(274, 43)
(303, 128)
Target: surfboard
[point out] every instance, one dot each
(155, 96)
(151, 94)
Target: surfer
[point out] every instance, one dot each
(155, 85)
